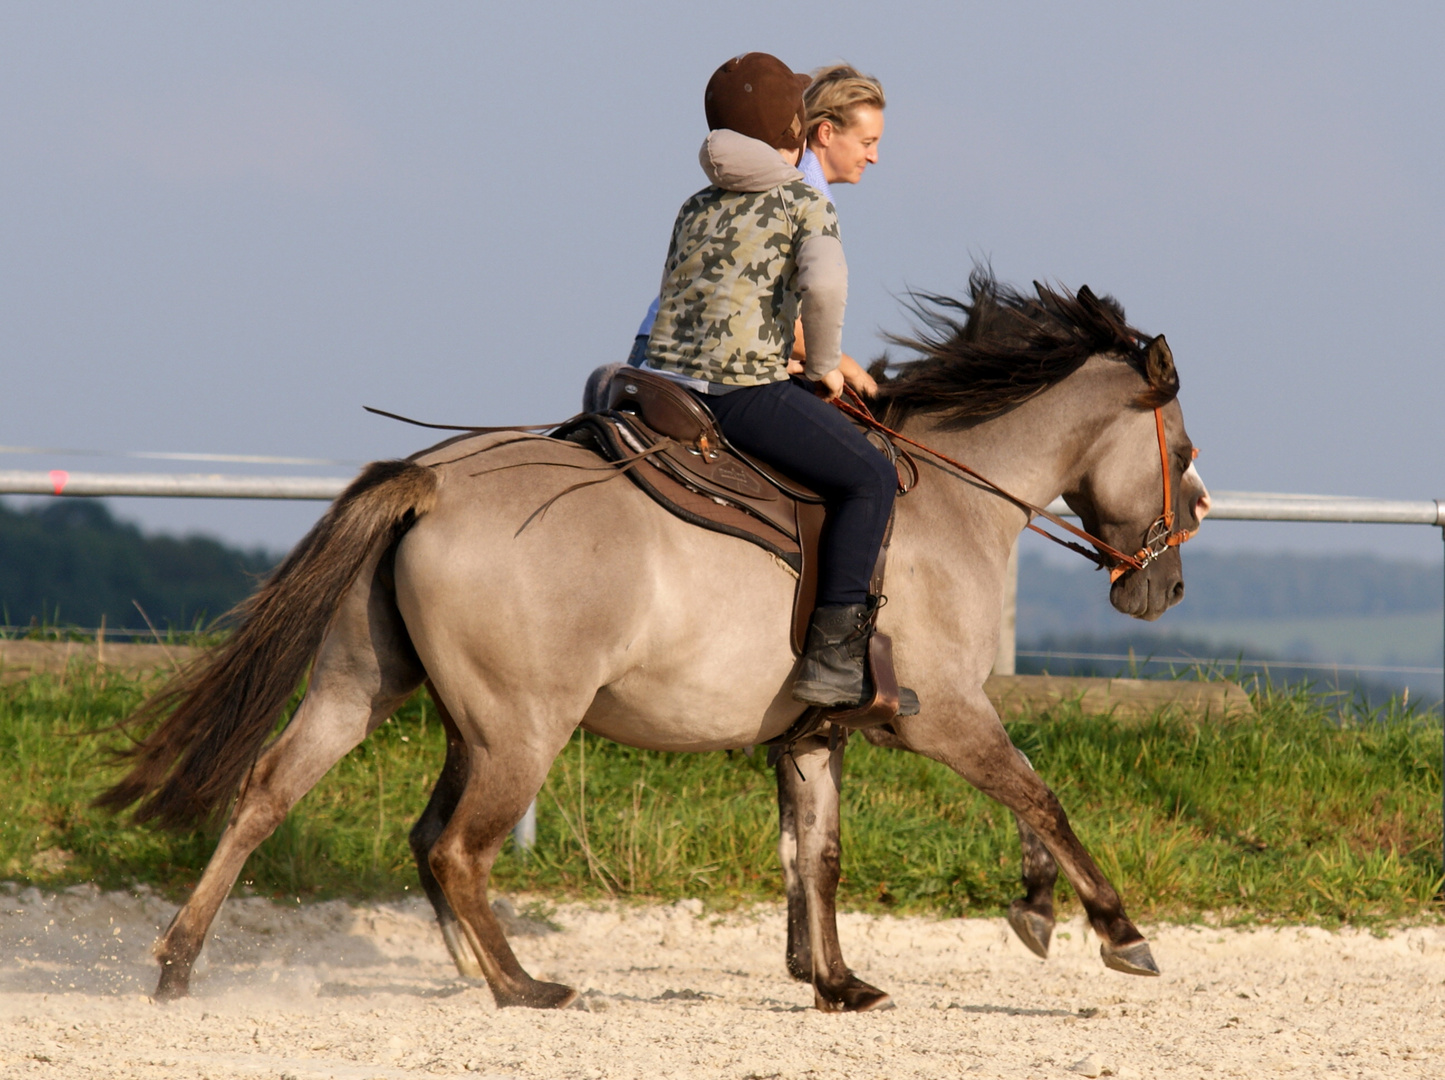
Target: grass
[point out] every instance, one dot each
(1307, 812)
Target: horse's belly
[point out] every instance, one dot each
(741, 700)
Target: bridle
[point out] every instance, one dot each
(1159, 538)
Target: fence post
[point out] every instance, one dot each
(524, 833)
(1004, 659)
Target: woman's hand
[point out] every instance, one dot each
(830, 386)
(861, 382)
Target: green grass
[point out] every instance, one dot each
(1306, 812)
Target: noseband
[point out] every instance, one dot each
(1160, 537)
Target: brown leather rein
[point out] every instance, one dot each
(1160, 537)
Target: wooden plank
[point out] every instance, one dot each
(21, 659)
(1016, 696)
(1013, 695)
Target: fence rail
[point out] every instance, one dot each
(171, 485)
(1225, 505)
(1262, 506)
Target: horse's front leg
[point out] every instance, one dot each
(809, 779)
(974, 744)
(1032, 915)
(799, 956)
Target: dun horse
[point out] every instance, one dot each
(609, 613)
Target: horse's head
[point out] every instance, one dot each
(1001, 362)
(1120, 491)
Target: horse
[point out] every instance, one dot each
(530, 605)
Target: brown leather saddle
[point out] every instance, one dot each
(671, 447)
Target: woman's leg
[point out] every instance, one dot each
(793, 429)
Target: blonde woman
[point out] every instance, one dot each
(845, 125)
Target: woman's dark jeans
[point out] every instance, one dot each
(791, 428)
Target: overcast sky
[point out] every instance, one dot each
(227, 227)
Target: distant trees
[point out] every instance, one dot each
(69, 562)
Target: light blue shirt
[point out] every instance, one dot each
(812, 170)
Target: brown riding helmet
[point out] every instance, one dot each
(759, 96)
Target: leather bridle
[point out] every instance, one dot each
(1159, 538)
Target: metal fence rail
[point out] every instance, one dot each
(171, 485)
(1259, 506)
(1225, 505)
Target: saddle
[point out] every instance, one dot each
(671, 447)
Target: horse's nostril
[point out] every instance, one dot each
(1176, 594)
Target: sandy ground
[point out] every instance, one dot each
(335, 990)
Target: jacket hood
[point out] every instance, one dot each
(735, 162)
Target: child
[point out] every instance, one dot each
(751, 253)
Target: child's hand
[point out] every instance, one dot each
(831, 385)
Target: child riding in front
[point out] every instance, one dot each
(749, 255)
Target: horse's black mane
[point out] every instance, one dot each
(1007, 348)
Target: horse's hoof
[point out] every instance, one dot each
(173, 984)
(853, 996)
(1033, 929)
(1135, 959)
(540, 995)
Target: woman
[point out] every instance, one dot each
(752, 255)
(845, 124)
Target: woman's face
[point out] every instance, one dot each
(845, 152)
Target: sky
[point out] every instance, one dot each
(226, 228)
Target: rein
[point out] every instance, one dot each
(1160, 537)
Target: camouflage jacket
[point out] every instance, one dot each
(746, 254)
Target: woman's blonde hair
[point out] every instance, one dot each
(835, 92)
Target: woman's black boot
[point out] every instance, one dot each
(832, 672)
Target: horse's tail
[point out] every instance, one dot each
(219, 712)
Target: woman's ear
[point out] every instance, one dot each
(823, 133)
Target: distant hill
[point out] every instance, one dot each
(69, 562)
(1219, 586)
(1320, 609)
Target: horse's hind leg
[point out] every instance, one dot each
(429, 827)
(809, 779)
(365, 669)
(503, 776)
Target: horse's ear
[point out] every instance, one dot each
(1159, 365)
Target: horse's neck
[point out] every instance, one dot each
(1032, 451)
